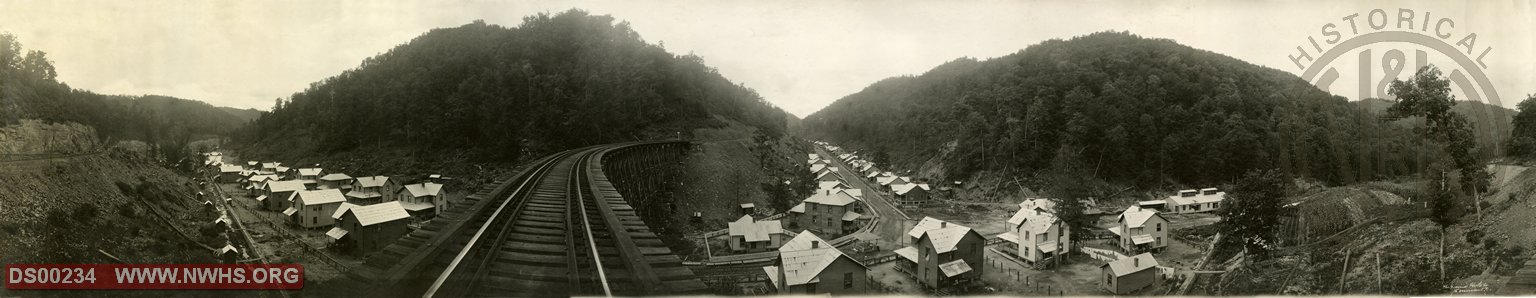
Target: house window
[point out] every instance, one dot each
(1109, 279)
(848, 280)
(1159, 241)
(1159, 227)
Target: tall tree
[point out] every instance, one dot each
(1428, 95)
(1070, 183)
(1522, 140)
(1252, 215)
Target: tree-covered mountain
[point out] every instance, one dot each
(1132, 110)
(554, 82)
(29, 89)
(1491, 124)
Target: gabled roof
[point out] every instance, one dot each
(336, 177)
(310, 172)
(342, 210)
(372, 181)
(1043, 203)
(318, 197)
(755, 231)
(854, 192)
(802, 265)
(816, 168)
(424, 189)
(1028, 211)
(1131, 264)
(266, 165)
(851, 216)
(230, 168)
(927, 223)
(947, 239)
(228, 248)
(261, 178)
(824, 173)
(802, 241)
(281, 169)
(798, 208)
(832, 185)
(834, 199)
(282, 186)
(905, 188)
(944, 235)
(368, 215)
(1035, 220)
(1136, 217)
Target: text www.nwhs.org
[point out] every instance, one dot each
(174, 275)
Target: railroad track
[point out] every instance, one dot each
(560, 230)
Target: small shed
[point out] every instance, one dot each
(746, 208)
(228, 254)
(1130, 274)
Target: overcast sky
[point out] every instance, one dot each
(801, 55)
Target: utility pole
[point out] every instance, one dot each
(1378, 272)
(1344, 276)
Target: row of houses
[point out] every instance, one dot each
(904, 190)
(363, 214)
(945, 255)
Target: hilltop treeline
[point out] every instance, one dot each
(29, 89)
(555, 82)
(1132, 110)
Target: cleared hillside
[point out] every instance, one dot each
(65, 210)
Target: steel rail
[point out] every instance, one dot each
(452, 266)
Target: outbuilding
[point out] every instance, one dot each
(1127, 275)
(365, 229)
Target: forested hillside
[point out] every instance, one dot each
(1492, 125)
(554, 82)
(1133, 110)
(29, 89)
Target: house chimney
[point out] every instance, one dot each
(815, 244)
(943, 224)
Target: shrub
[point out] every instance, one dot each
(58, 219)
(125, 188)
(1474, 236)
(127, 210)
(86, 212)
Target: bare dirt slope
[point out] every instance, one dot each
(71, 210)
(1511, 213)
